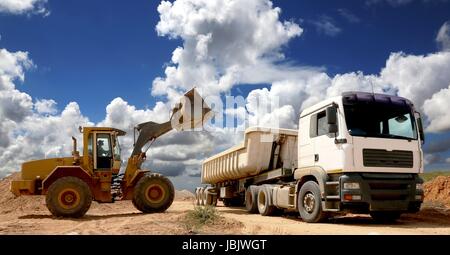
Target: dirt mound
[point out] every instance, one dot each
(438, 191)
(184, 195)
(10, 203)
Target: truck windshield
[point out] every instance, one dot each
(380, 120)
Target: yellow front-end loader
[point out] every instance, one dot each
(70, 184)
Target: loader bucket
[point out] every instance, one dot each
(192, 112)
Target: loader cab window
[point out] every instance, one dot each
(104, 151)
(116, 149)
(90, 146)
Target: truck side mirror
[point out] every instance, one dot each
(332, 119)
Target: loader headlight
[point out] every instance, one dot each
(351, 185)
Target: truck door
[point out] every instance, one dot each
(104, 154)
(326, 153)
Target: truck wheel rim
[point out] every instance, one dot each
(309, 202)
(69, 198)
(155, 193)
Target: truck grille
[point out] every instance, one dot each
(384, 158)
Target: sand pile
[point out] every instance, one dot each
(184, 195)
(9, 203)
(438, 190)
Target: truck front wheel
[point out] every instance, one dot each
(153, 193)
(69, 197)
(385, 217)
(310, 203)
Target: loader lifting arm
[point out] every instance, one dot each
(191, 112)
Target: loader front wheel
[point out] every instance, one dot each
(69, 197)
(153, 193)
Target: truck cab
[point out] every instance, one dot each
(365, 150)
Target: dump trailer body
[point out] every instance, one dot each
(263, 149)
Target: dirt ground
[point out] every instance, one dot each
(29, 215)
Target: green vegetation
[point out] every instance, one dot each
(199, 217)
(428, 176)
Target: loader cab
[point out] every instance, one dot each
(103, 149)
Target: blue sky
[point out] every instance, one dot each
(92, 52)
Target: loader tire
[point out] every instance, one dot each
(310, 203)
(153, 193)
(264, 207)
(69, 197)
(251, 199)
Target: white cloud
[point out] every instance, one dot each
(417, 77)
(25, 132)
(397, 3)
(348, 15)
(437, 110)
(24, 6)
(45, 106)
(327, 26)
(220, 39)
(443, 36)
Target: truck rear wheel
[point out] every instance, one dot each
(211, 199)
(264, 207)
(202, 196)
(153, 193)
(251, 199)
(310, 203)
(385, 217)
(197, 196)
(69, 197)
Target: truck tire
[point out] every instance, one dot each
(264, 207)
(202, 196)
(211, 199)
(69, 197)
(153, 193)
(385, 217)
(251, 199)
(310, 203)
(197, 196)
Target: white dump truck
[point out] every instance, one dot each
(358, 152)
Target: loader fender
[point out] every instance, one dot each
(65, 171)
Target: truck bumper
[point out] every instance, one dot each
(381, 192)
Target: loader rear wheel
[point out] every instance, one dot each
(153, 193)
(69, 197)
(310, 203)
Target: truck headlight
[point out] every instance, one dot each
(351, 185)
(419, 186)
